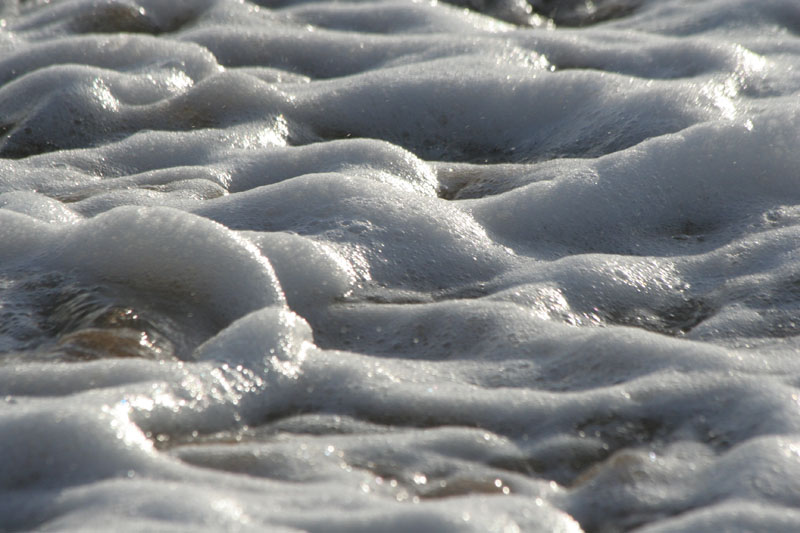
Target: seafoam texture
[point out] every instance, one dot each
(399, 265)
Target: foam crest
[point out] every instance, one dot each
(158, 249)
(129, 53)
(439, 114)
(368, 224)
(687, 181)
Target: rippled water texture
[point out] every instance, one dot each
(400, 266)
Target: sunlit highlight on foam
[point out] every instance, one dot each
(128, 432)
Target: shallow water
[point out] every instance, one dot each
(392, 266)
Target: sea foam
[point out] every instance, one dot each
(359, 266)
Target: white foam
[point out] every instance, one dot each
(434, 266)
